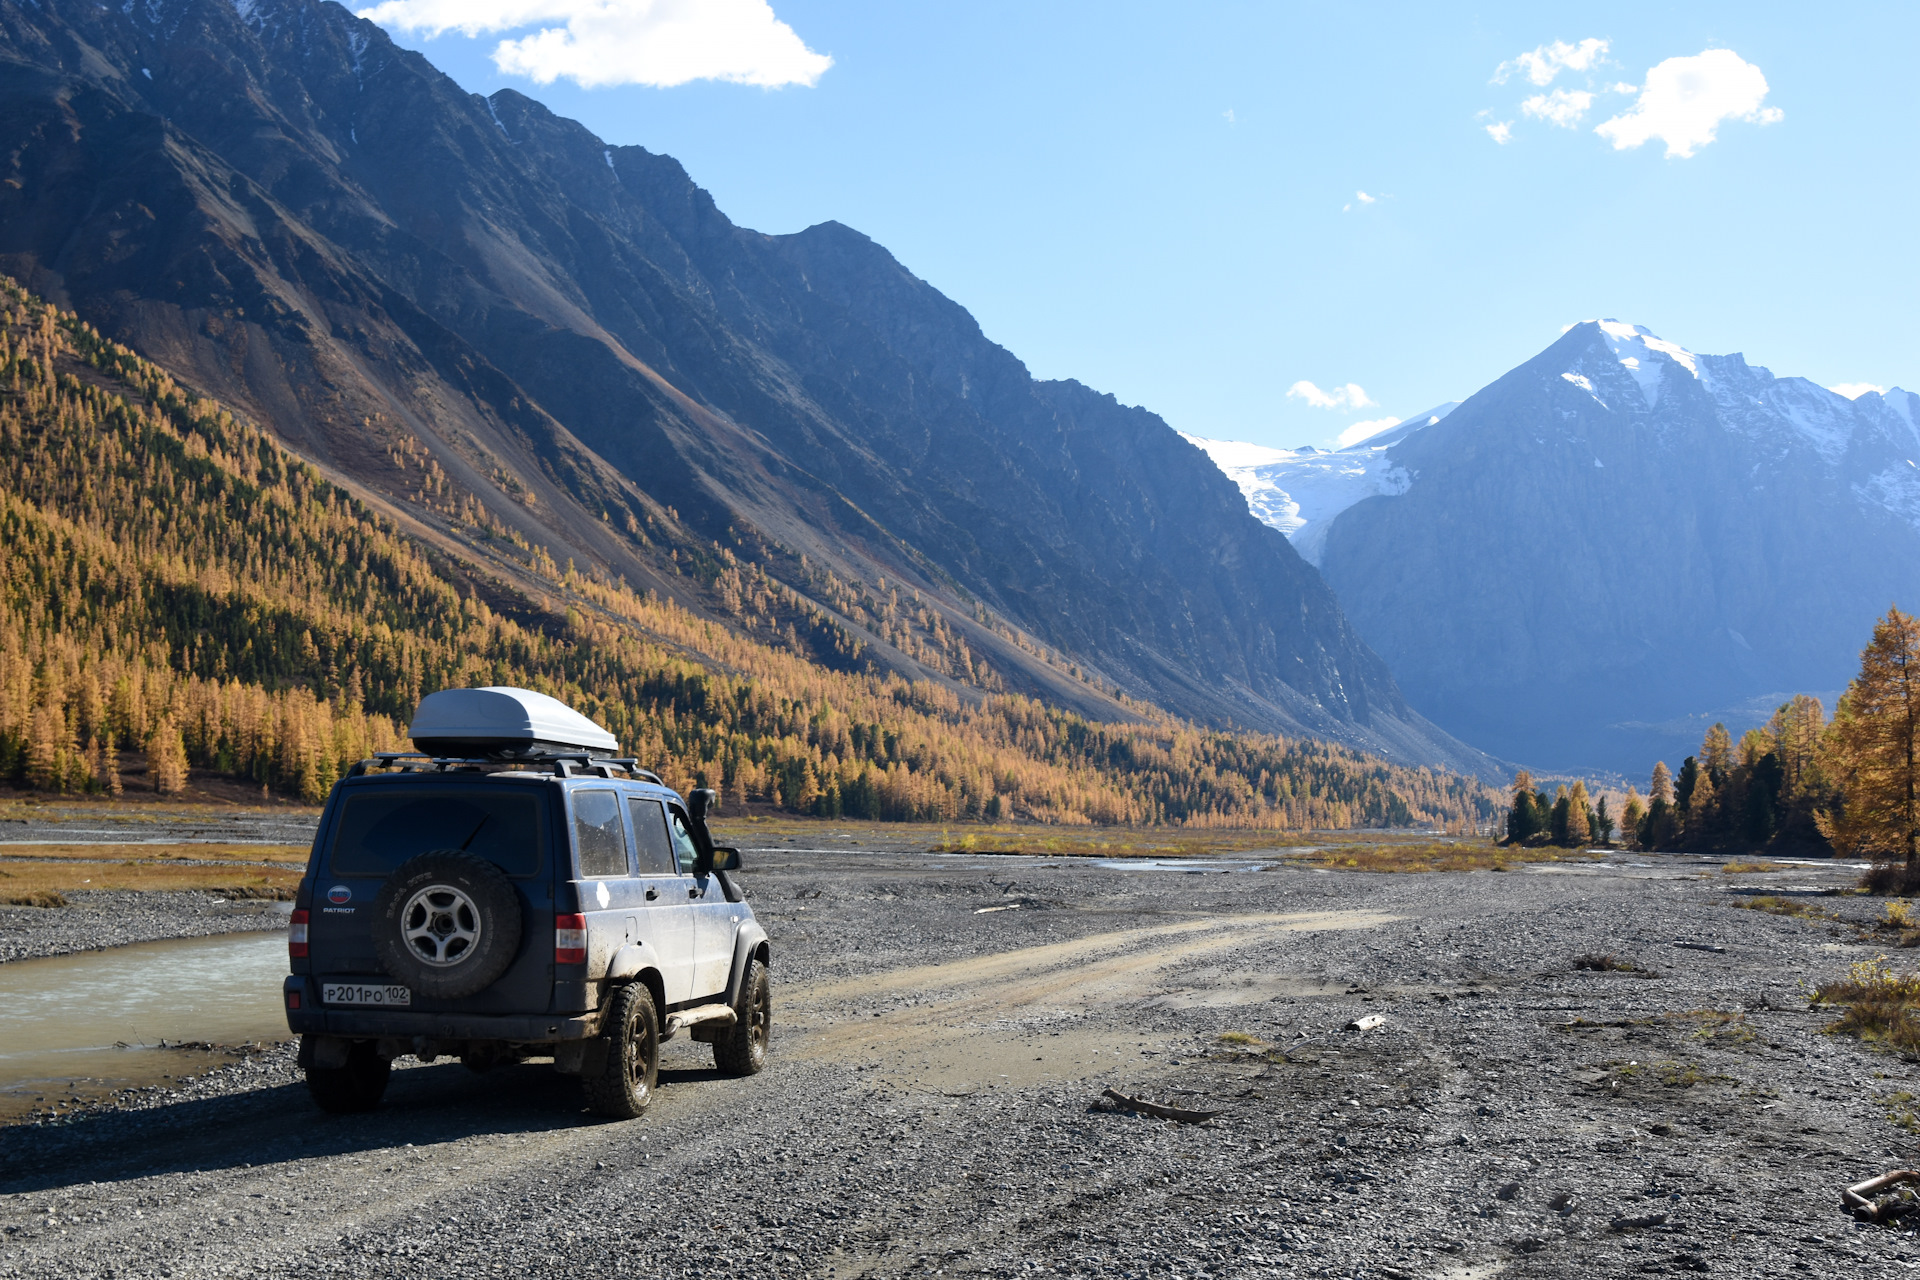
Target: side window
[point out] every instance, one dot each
(597, 834)
(684, 850)
(650, 833)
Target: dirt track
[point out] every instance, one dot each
(932, 1104)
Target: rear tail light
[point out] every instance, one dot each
(297, 936)
(293, 1000)
(569, 939)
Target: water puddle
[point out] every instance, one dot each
(1191, 866)
(86, 1025)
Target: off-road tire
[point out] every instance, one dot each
(624, 1086)
(356, 1087)
(491, 905)
(741, 1049)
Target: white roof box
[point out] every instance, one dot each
(501, 721)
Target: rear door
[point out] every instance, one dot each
(715, 919)
(382, 822)
(667, 919)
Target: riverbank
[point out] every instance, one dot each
(114, 918)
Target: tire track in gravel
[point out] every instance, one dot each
(976, 1022)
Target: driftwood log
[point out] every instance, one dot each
(1181, 1114)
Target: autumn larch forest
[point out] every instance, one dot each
(181, 592)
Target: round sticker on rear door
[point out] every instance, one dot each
(339, 893)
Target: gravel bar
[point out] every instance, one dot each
(945, 1028)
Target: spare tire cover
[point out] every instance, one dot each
(447, 924)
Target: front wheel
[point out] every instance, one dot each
(358, 1086)
(624, 1086)
(742, 1049)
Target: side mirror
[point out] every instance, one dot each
(725, 859)
(701, 802)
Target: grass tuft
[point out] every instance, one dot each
(37, 898)
(1879, 1005)
(1604, 963)
(1777, 906)
(1750, 868)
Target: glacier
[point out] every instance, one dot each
(1300, 491)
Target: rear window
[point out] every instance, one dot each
(381, 829)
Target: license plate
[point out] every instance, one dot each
(365, 994)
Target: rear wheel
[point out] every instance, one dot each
(624, 1086)
(742, 1048)
(358, 1086)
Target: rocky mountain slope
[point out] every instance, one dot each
(1618, 543)
(459, 304)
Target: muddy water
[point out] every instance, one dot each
(87, 1024)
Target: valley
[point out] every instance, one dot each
(934, 1103)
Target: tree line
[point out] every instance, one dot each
(1802, 783)
(175, 584)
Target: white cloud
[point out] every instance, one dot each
(1563, 107)
(608, 42)
(1348, 397)
(1361, 430)
(1549, 60)
(1685, 99)
(1228, 114)
(1364, 198)
(1501, 131)
(1854, 390)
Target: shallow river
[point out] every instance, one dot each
(102, 1020)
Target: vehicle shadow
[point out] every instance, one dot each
(442, 1102)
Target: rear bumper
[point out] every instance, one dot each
(313, 1018)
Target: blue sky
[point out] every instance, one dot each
(1071, 174)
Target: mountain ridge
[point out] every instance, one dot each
(314, 225)
(1620, 541)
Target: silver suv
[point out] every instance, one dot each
(522, 898)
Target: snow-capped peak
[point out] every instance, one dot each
(1634, 344)
(1643, 354)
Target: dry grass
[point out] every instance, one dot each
(1777, 906)
(1716, 1024)
(1750, 868)
(282, 854)
(1879, 1005)
(1432, 855)
(37, 898)
(56, 878)
(1595, 962)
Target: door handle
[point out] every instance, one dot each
(652, 894)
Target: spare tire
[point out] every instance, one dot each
(447, 924)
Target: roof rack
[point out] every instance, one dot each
(561, 763)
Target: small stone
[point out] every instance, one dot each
(1509, 1191)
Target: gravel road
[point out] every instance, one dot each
(945, 1027)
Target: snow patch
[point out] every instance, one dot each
(148, 74)
(496, 119)
(1646, 356)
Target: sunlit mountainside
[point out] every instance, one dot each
(179, 587)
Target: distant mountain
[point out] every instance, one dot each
(460, 304)
(1589, 561)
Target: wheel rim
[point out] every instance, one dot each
(641, 1040)
(759, 1018)
(441, 925)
